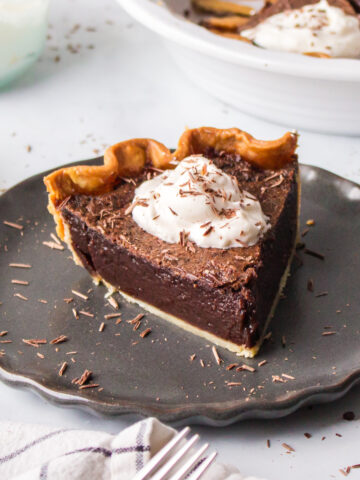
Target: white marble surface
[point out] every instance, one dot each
(128, 86)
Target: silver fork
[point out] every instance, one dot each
(174, 463)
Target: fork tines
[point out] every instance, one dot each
(175, 460)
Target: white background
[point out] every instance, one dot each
(127, 86)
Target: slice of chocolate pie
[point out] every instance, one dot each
(202, 237)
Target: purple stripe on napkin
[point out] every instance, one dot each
(139, 462)
(15, 453)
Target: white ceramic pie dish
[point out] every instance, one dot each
(291, 89)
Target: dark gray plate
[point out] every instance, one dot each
(154, 376)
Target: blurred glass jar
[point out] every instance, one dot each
(23, 26)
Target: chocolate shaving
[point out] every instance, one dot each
(245, 367)
(19, 282)
(142, 203)
(172, 211)
(87, 314)
(216, 355)
(271, 177)
(208, 230)
(243, 244)
(191, 176)
(101, 327)
(314, 254)
(145, 333)
(34, 342)
(205, 224)
(131, 207)
(63, 203)
(19, 265)
(305, 232)
(113, 303)
(231, 366)
(136, 319)
(278, 183)
(55, 238)
(59, 339)
(183, 238)
(84, 377)
(154, 169)
(79, 294)
(112, 315)
(214, 210)
(62, 369)
(190, 247)
(53, 245)
(13, 225)
(128, 180)
(20, 296)
(225, 225)
(288, 447)
(136, 326)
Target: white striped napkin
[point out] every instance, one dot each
(29, 452)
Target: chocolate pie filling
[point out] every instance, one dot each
(228, 293)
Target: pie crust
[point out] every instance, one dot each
(128, 159)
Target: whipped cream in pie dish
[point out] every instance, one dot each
(200, 202)
(313, 28)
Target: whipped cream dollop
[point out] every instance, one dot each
(313, 28)
(199, 202)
